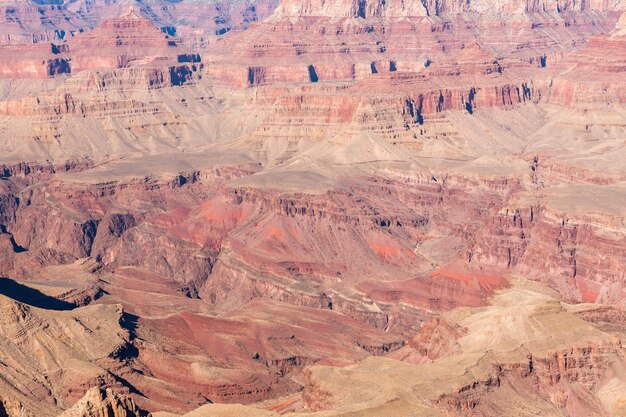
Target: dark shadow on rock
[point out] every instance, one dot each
(130, 321)
(131, 388)
(3, 411)
(16, 248)
(31, 296)
(313, 74)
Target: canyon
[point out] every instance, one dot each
(312, 208)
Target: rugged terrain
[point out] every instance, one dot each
(325, 208)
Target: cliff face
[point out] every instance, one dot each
(201, 205)
(252, 240)
(121, 42)
(435, 8)
(55, 22)
(529, 376)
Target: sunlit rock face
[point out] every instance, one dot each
(320, 208)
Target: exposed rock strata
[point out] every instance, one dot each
(288, 211)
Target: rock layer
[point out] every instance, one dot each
(198, 207)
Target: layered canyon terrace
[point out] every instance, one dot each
(312, 208)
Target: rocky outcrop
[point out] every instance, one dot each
(437, 338)
(99, 402)
(557, 375)
(76, 352)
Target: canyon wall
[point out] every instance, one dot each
(208, 203)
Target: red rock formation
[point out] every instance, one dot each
(336, 182)
(560, 376)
